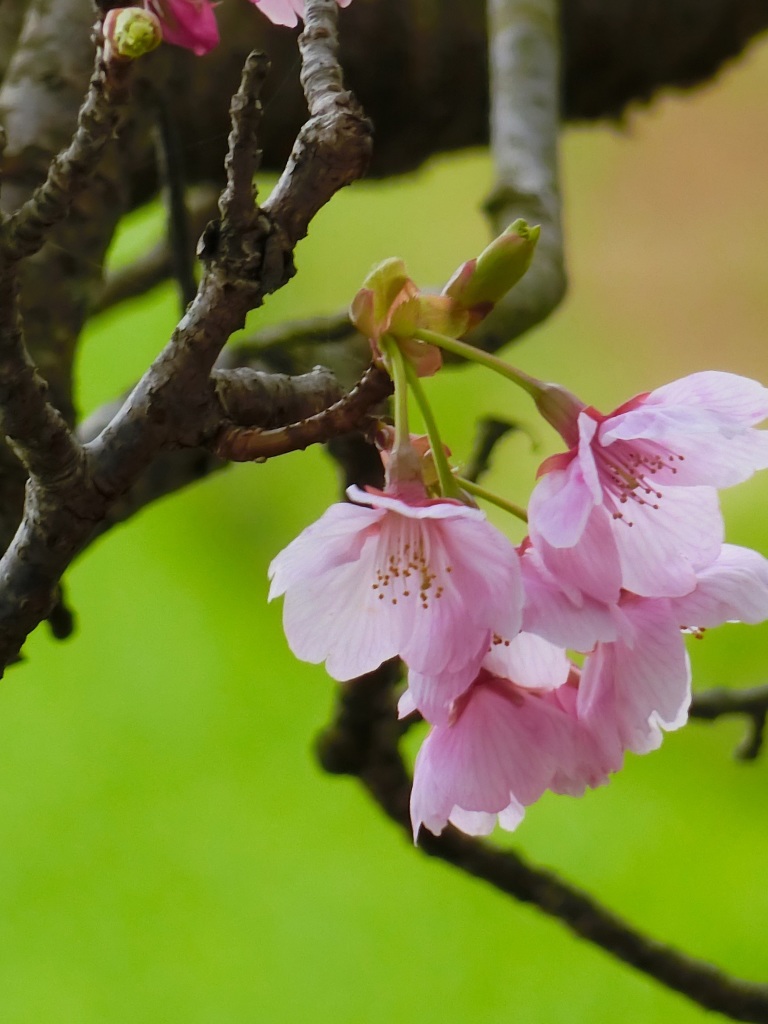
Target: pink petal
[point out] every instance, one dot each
(287, 12)
(728, 394)
(429, 508)
(335, 539)
(560, 506)
(187, 23)
(560, 612)
(282, 12)
(663, 547)
(529, 661)
(701, 427)
(433, 694)
(499, 755)
(628, 691)
(592, 565)
(587, 426)
(429, 582)
(733, 588)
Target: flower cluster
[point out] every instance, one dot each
(537, 667)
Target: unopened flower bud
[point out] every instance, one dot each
(480, 283)
(130, 32)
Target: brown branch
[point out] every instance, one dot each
(36, 431)
(334, 146)
(752, 703)
(236, 203)
(489, 432)
(363, 741)
(27, 229)
(350, 413)
(251, 397)
(175, 405)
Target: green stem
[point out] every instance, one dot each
(476, 355)
(448, 484)
(495, 499)
(398, 370)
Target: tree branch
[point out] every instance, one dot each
(350, 413)
(525, 124)
(334, 146)
(27, 229)
(177, 404)
(37, 432)
(490, 432)
(752, 703)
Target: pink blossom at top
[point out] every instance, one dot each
(512, 735)
(187, 23)
(287, 12)
(632, 503)
(192, 25)
(398, 573)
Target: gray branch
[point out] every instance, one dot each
(525, 124)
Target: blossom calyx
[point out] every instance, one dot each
(480, 283)
(130, 32)
(390, 303)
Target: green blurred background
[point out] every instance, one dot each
(169, 850)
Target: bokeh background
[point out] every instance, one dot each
(170, 851)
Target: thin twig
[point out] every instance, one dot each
(236, 205)
(752, 703)
(241, 444)
(27, 229)
(489, 432)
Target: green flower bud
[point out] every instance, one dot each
(480, 283)
(130, 32)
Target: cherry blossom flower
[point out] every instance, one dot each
(287, 12)
(187, 23)
(192, 25)
(531, 721)
(397, 573)
(632, 503)
(634, 687)
(512, 735)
